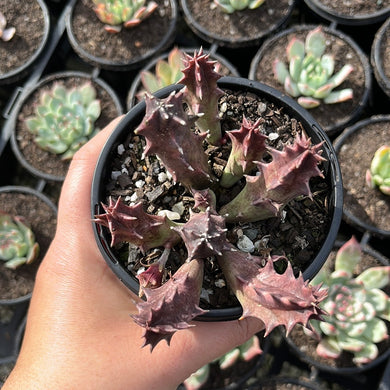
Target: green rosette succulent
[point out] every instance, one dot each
(309, 75)
(379, 173)
(230, 6)
(64, 119)
(17, 241)
(356, 307)
(127, 13)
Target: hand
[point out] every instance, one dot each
(79, 334)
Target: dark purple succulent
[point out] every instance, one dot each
(178, 130)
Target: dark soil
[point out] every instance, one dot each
(298, 235)
(126, 46)
(354, 7)
(329, 116)
(42, 219)
(308, 345)
(367, 204)
(241, 25)
(44, 161)
(27, 17)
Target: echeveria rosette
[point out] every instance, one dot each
(17, 241)
(127, 13)
(172, 306)
(378, 175)
(280, 181)
(6, 34)
(167, 129)
(310, 73)
(275, 299)
(248, 146)
(202, 98)
(132, 224)
(64, 119)
(356, 307)
(231, 6)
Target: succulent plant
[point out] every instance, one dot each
(64, 119)
(245, 352)
(6, 34)
(379, 173)
(273, 297)
(17, 241)
(356, 307)
(127, 13)
(230, 6)
(310, 73)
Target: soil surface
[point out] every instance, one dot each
(331, 117)
(308, 345)
(42, 160)
(298, 234)
(42, 219)
(241, 25)
(354, 7)
(126, 46)
(27, 17)
(367, 204)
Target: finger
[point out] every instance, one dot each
(77, 185)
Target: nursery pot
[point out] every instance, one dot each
(375, 259)
(353, 19)
(129, 49)
(133, 119)
(378, 57)
(364, 207)
(332, 117)
(54, 169)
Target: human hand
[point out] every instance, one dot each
(79, 334)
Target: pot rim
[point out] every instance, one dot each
(46, 80)
(131, 96)
(331, 167)
(340, 35)
(358, 20)
(338, 143)
(121, 65)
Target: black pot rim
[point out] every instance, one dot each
(285, 380)
(358, 20)
(271, 94)
(208, 36)
(339, 34)
(48, 79)
(44, 198)
(338, 143)
(119, 65)
(137, 80)
(20, 71)
(377, 60)
(343, 370)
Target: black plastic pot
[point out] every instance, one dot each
(131, 99)
(333, 127)
(279, 381)
(49, 79)
(21, 71)
(343, 139)
(42, 198)
(378, 59)
(349, 20)
(343, 370)
(290, 107)
(232, 42)
(130, 63)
